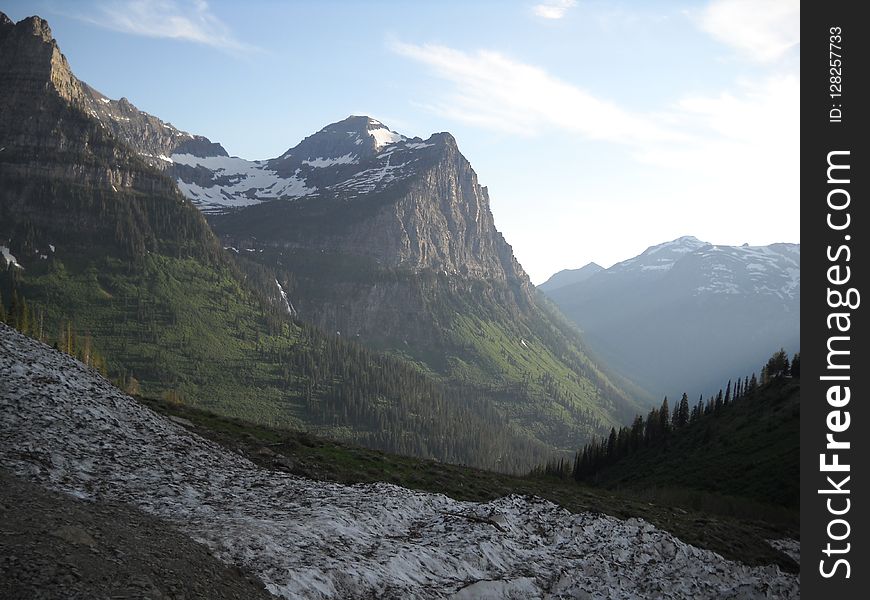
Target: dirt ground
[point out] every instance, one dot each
(56, 546)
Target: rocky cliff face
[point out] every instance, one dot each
(44, 113)
(405, 204)
(32, 65)
(64, 173)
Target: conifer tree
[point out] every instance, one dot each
(682, 412)
(611, 445)
(664, 418)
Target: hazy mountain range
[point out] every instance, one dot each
(687, 315)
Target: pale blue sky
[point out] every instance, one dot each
(600, 127)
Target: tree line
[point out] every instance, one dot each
(661, 423)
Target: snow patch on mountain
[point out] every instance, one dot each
(10, 259)
(768, 270)
(65, 427)
(681, 245)
(382, 134)
(287, 305)
(237, 182)
(368, 180)
(344, 159)
(659, 258)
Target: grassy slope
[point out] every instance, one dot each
(736, 530)
(177, 324)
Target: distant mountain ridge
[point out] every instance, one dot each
(569, 276)
(663, 317)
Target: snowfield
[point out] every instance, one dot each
(64, 426)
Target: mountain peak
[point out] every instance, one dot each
(362, 130)
(30, 60)
(36, 26)
(351, 140)
(566, 277)
(680, 245)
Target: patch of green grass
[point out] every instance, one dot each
(176, 325)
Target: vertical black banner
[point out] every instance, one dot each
(835, 225)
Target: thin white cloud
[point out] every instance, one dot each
(494, 91)
(747, 139)
(761, 30)
(188, 20)
(731, 149)
(553, 9)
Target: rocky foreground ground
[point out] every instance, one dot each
(66, 429)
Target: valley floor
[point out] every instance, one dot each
(64, 427)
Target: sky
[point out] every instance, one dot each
(599, 127)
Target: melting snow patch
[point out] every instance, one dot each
(287, 305)
(65, 427)
(9, 258)
(344, 159)
(385, 137)
(242, 183)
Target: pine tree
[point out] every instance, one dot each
(664, 418)
(777, 367)
(682, 412)
(611, 445)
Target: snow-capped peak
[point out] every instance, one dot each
(661, 257)
(681, 245)
(355, 156)
(382, 135)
